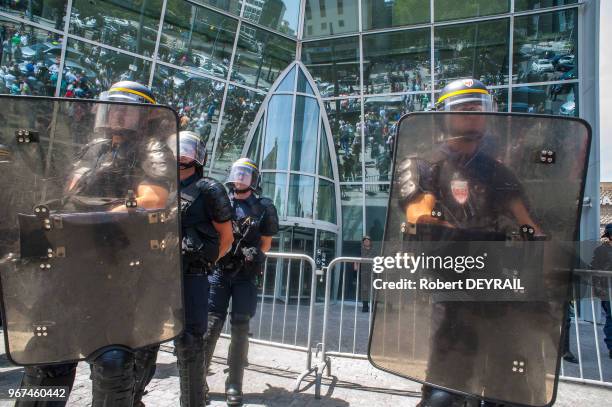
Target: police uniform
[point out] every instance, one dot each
(203, 201)
(235, 278)
(103, 177)
(472, 193)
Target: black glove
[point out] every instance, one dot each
(253, 254)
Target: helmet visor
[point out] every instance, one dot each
(472, 102)
(242, 176)
(119, 118)
(192, 149)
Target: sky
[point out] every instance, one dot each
(605, 90)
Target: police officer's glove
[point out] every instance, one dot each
(253, 254)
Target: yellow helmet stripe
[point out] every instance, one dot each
(462, 92)
(249, 164)
(134, 92)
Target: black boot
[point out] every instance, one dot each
(215, 325)
(190, 360)
(51, 375)
(237, 359)
(145, 360)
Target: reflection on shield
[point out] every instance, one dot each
(487, 205)
(83, 265)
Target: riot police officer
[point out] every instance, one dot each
(207, 236)
(114, 167)
(255, 221)
(459, 195)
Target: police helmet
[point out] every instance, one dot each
(246, 172)
(192, 149)
(465, 95)
(122, 119)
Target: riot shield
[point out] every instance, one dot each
(471, 293)
(89, 231)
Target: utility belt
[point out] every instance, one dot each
(195, 265)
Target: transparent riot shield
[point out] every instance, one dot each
(471, 294)
(89, 232)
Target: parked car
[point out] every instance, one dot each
(542, 65)
(568, 108)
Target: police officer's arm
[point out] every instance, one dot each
(416, 198)
(521, 214)
(158, 174)
(150, 196)
(226, 237)
(269, 226)
(221, 211)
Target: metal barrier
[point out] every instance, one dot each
(585, 313)
(307, 347)
(323, 361)
(588, 370)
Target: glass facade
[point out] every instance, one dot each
(326, 137)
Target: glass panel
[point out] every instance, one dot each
(326, 202)
(352, 216)
(476, 50)
(376, 202)
(241, 106)
(344, 118)
(49, 13)
(280, 15)
(397, 61)
(381, 117)
(101, 67)
(261, 56)
(334, 65)
(501, 97)
(325, 164)
(233, 6)
(546, 47)
(288, 84)
(453, 9)
(274, 186)
(520, 5)
(195, 98)
(328, 17)
(303, 85)
(558, 99)
(197, 38)
(301, 196)
(27, 59)
(255, 148)
(303, 151)
(131, 26)
(278, 130)
(385, 13)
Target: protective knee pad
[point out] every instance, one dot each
(144, 361)
(440, 398)
(213, 331)
(112, 378)
(190, 360)
(53, 375)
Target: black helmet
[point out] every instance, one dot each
(244, 171)
(457, 94)
(129, 91)
(191, 148)
(123, 119)
(608, 231)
